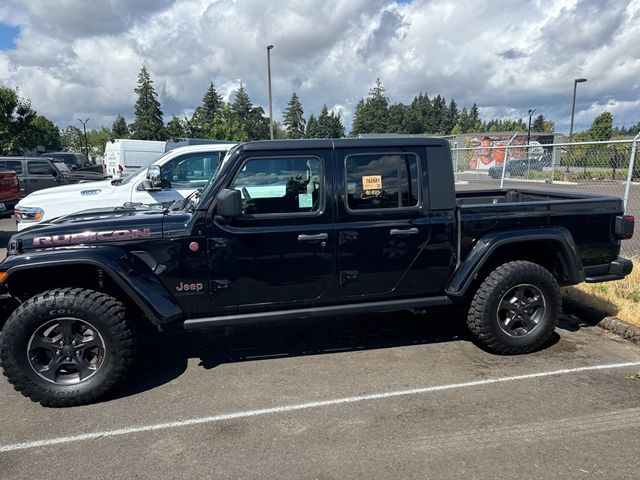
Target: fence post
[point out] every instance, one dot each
(506, 157)
(632, 158)
(455, 172)
(553, 164)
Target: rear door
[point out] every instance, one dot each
(281, 252)
(383, 222)
(40, 174)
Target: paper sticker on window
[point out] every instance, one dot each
(372, 182)
(305, 200)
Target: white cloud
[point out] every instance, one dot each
(82, 58)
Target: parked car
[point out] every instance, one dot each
(123, 156)
(185, 142)
(184, 170)
(37, 173)
(516, 168)
(290, 230)
(9, 190)
(74, 160)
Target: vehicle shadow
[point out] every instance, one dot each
(163, 357)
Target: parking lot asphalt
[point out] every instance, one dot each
(377, 396)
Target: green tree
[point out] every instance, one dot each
(313, 130)
(439, 113)
(372, 115)
(538, 124)
(293, 118)
(451, 117)
(16, 116)
(602, 127)
(396, 118)
(249, 117)
(119, 129)
(226, 127)
(148, 123)
(44, 132)
(174, 128)
(207, 112)
(72, 139)
(96, 140)
(474, 119)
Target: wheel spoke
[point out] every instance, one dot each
(67, 330)
(528, 323)
(85, 368)
(46, 343)
(89, 342)
(50, 371)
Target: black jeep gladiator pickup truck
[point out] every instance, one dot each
(292, 230)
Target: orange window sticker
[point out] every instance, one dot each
(372, 182)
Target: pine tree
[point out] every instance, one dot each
(324, 123)
(148, 123)
(251, 119)
(396, 118)
(438, 113)
(474, 119)
(209, 110)
(337, 127)
(451, 117)
(538, 124)
(119, 129)
(174, 128)
(372, 114)
(312, 127)
(293, 118)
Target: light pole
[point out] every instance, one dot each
(269, 47)
(84, 127)
(531, 110)
(576, 81)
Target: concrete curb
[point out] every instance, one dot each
(602, 320)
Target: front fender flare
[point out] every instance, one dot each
(488, 244)
(132, 275)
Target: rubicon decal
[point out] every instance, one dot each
(108, 236)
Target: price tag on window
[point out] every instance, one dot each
(305, 200)
(372, 182)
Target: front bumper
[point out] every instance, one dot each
(616, 270)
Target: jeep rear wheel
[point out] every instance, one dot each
(67, 346)
(515, 308)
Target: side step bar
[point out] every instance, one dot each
(302, 313)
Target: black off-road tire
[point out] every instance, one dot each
(103, 312)
(483, 318)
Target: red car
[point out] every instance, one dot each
(9, 190)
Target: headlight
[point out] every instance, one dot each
(28, 214)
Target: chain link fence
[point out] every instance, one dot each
(604, 168)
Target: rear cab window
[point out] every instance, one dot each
(15, 165)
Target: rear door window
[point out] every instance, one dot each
(15, 165)
(382, 181)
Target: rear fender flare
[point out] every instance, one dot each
(488, 244)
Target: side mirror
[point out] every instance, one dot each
(154, 178)
(229, 205)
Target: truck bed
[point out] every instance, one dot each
(589, 218)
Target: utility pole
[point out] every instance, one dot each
(269, 47)
(86, 144)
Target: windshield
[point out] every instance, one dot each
(62, 166)
(127, 178)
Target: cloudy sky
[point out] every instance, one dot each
(80, 58)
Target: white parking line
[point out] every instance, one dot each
(301, 406)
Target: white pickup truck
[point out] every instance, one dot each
(184, 170)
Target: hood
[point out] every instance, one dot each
(66, 193)
(93, 227)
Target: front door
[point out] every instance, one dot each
(281, 252)
(384, 225)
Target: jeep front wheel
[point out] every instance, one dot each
(67, 346)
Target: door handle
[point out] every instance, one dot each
(398, 232)
(313, 238)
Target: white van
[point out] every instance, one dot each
(184, 170)
(123, 156)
